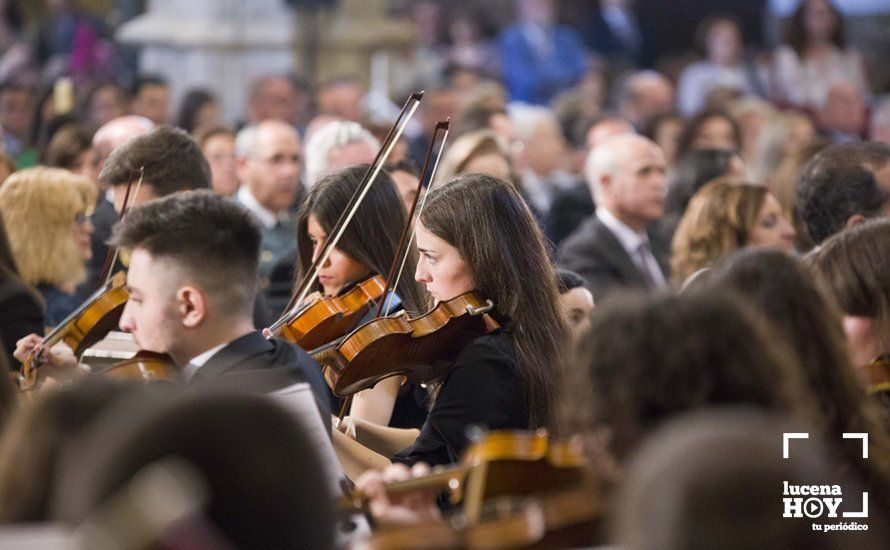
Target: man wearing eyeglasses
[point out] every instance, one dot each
(268, 162)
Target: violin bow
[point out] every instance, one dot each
(293, 306)
(393, 278)
(112, 256)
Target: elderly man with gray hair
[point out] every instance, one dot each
(268, 162)
(615, 247)
(337, 145)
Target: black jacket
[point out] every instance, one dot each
(595, 253)
(252, 362)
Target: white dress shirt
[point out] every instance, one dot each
(631, 241)
(197, 362)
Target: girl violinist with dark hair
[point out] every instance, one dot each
(476, 233)
(367, 248)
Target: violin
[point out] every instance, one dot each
(88, 324)
(877, 375)
(146, 366)
(502, 463)
(331, 317)
(399, 345)
(557, 506)
(570, 518)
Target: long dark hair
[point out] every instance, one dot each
(796, 30)
(373, 235)
(802, 316)
(490, 225)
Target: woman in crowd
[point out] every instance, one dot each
(46, 214)
(367, 248)
(199, 109)
(815, 57)
(477, 234)
(720, 40)
(724, 216)
(710, 130)
(71, 149)
(218, 145)
(855, 267)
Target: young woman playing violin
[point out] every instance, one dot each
(367, 248)
(475, 233)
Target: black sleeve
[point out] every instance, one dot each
(482, 389)
(20, 315)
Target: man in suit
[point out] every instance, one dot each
(614, 248)
(269, 160)
(192, 282)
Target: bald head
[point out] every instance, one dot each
(626, 173)
(115, 133)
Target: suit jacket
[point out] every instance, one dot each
(263, 366)
(595, 253)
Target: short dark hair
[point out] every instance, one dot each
(838, 183)
(172, 160)
(213, 238)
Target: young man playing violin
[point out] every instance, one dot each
(192, 281)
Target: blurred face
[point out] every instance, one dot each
(272, 172)
(724, 43)
(489, 163)
(440, 267)
(150, 314)
(772, 229)
(15, 112)
(406, 186)
(715, 133)
(279, 101)
(83, 228)
(844, 110)
(801, 134)
(152, 103)
(819, 21)
(107, 104)
(863, 340)
(546, 151)
(636, 187)
(577, 305)
(83, 165)
(208, 115)
(219, 150)
(339, 270)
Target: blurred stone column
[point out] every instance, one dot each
(221, 45)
